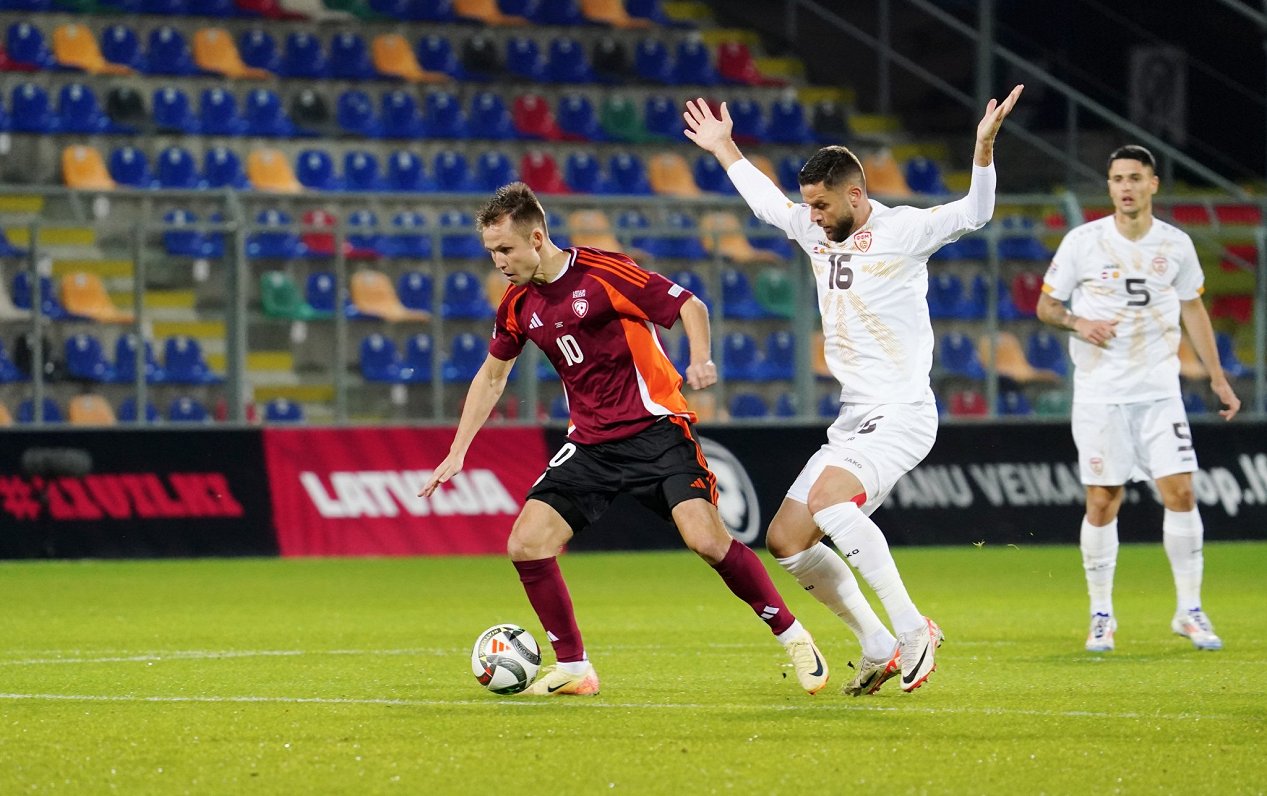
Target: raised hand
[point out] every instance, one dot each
(705, 129)
(995, 113)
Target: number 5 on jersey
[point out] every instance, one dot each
(841, 273)
(571, 349)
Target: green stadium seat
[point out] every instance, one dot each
(1053, 403)
(280, 297)
(775, 292)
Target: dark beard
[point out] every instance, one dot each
(841, 232)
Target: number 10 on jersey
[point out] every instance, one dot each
(571, 349)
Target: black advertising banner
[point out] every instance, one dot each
(133, 494)
(998, 483)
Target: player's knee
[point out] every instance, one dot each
(782, 540)
(1179, 497)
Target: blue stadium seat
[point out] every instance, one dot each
(281, 410)
(490, 119)
(788, 168)
(222, 168)
(120, 45)
(694, 283)
(464, 298)
(1047, 351)
(25, 44)
(405, 173)
(31, 110)
(129, 166)
(829, 405)
(304, 57)
(9, 372)
(924, 176)
(5, 121)
(945, 296)
(435, 54)
(165, 7)
(177, 169)
(1014, 403)
(49, 304)
(768, 238)
(278, 240)
(959, 356)
(86, 359)
(787, 405)
(465, 357)
(559, 408)
(411, 240)
(493, 170)
(555, 223)
(361, 172)
(184, 363)
(749, 121)
(584, 174)
(652, 61)
(577, 119)
(788, 124)
(778, 361)
(218, 113)
(265, 115)
(350, 58)
(978, 301)
(168, 53)
(973, 248)
(259, 49)
(710, 176)
(567, 62)
(628, 174)
(127, 411)
(662, 117)
(415, 290)
(172, 112)
(363, 235)
(1233, 368)
(693, 64)
(52, 412)
(314, 168)
(556, 12)
(125, 362)
(630, 222)
(401, 116)
(416, 363)
(415, 10)
(685, 245)
(186, 409)
(523, 59)
(79, 112)
(444, 116)
(320, 292)
(451, 172)
(748, 406)
(180, 242)
(1019, 242)
(737, 299)
(379, 359)
(354, 113)
(740, 358)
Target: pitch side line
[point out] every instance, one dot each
(590, 704)
(195, 655)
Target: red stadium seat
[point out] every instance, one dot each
(1236, 253)
(533, 118)
(1239, 214)
(541, 172)
(968, 403)
(735, 65)
(1026, 289)
(1191, 214)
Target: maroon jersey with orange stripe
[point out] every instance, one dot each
(596, 324)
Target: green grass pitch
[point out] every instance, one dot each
(352, 676)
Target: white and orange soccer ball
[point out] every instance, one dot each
(505, 659)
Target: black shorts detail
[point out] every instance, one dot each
(660, 467)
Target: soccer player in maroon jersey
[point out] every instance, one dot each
(592, 313)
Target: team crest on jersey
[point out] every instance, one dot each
(862, 240)
(580, 307)
(1159, 265)
(1097, 465)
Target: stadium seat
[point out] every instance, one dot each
(694, 283)
(415, 290)
(1239, 214)
(662, 117)
(393, 57)
(493, 170)
(86, 359)
(481, 59)
(320, 293)
(1046, 352)
(723, 234)
(374, 296)
(978, 303)
(282, 410)
(411, 240)
(628, 174)
(25, 46)
(354, 114)
(304, 57)
(168, 53)
(444, 116)
(181, 241)
(464, 298)
(314, 168)
(620, 120)
(884, 178)
(489, 118)
(685, 245)
(361, 172)
(126, 109)
(924, 176)
(1027, 287)
(317, 234)
(1013, 403)
(462, 243)
(737, 300)
(215, 52)
(787, 125)
(380, 361)
(127, 411)
(749, 122)
(541, 172)
(1019, 241)
(350, 58)
(74, 47)
(583, 174)
(533, 119)
(280, 298)
(670, 175)
(523, 59)
(959, 356)
(276, 238)
(968, 403)
(1194, 404)
(1053, 403)
(258, 49)
(186, 409)
(416, 362)
(610, 62)
(125, 351)
(90, 410)
(487, 12)
(1010, 360)
(130, 168)
(778, 358)
(1232, 366)
(79, 112)
(173, 114)
(52, 412)
(652, 61)
(775, 292)
(267, 170)
(466, 355)
(435, 54)
(577, 121)
(946, 299)
(787, 405)
(120, 46)
(788, 168)
(611, 13)
(711, 177)
(184, 363)
(735, 65)
(265, 116)
(401, 117)
(830, 123)
(748, 406)
(32, 112)
(84, 295)
(567, 62)
(452, 173)
(221, 168)
(592, 228)
(309, 114)
(23, 295)
(740, 357)
(9, 372)
(693, 64)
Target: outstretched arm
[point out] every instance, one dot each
(481, 397)
(1197, 321)
(701, 372)
(988, 127)
(711, 133)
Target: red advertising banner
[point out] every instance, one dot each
(354, 491)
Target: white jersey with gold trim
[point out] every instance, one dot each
(1140, 284)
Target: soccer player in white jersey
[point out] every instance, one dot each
(870, 263)
(1130, 278)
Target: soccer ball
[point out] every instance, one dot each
(505, 659)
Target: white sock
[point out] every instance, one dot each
(864, 546)
(793, 632)
(575, 667)
(1182, 535)
(829, 580)
(1099, 559)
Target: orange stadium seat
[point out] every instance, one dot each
(704, 405)
(268, 170)
(818, 357)
(485, 11)
(85, 295)
(884, 177)
(373, 294)
(6, 419)
(85, 169)
(495, 286)
(611, 12)
(1190, 366)
(90, 410)
(669, 174)
(1011, 362)
(214, 51)
(765, 166)
(592, 228)
(74, 46)
(722, 233)
(393, 56)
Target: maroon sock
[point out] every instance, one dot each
(748, 579)
(549, 596)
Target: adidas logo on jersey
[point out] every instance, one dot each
(535, 322)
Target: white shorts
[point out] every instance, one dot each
(1132, 442)
(878, 443)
